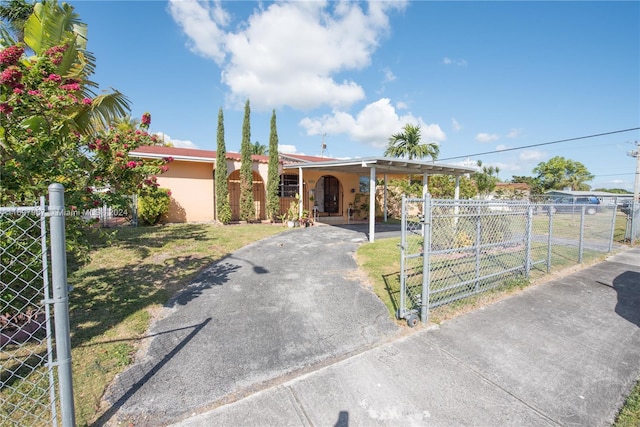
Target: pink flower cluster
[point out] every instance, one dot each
(53, 78)
(11, 77)
(146, 119)
(11, 55)
(56, 54)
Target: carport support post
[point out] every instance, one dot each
(372, 204)
(384, 197)
(456, 197)
(300, 191)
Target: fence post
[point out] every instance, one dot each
(528, 236)
(478, 244)
(581, 241)
(613, 224)
(426, 267)
(549, 243)
(61, 303)
(403, 248)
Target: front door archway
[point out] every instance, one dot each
(328, 195)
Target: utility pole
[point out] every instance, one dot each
(635, 206)
(324, 146)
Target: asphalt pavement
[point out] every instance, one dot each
(284, 333)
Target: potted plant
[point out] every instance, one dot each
(305, 220)
(293, 212)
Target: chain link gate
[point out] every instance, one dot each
(34, 318)
(454, 249)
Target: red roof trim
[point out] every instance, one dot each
(186, 153)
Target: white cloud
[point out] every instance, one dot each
(501, 147)
(458, 62)
(400, 105)
(373, 125)
(467, 163)
(202, 22)
(289, 52)
(514, 133)
(178, 143)
(487, 137)
(456, 125)
(532, 155)
(287, 149)
(388, 75)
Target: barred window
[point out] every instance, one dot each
(364, 184)
(288, 185)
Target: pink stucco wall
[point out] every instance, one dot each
(191, 185)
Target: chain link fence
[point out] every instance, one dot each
(453, 249)
(34, 321)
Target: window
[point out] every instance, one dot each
(364, 184)
(288, 185)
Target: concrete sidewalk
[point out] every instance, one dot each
(563, 353)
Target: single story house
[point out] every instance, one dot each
(606, 198)
(327, 187)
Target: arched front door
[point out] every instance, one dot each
(330, 195)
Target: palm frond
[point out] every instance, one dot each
(105, 109)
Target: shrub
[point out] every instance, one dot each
(152, 205)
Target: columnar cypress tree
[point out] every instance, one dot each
(247, 210)
(273, 177)
(223, 208)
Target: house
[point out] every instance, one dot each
(327, 187)
(512, 191)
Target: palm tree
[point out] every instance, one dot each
(15, 13)
(406, 144)
(486, 179)
(259, 149)
(51, 25)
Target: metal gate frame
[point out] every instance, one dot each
(491, 242)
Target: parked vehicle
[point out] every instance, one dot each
(575, 204)
(625, 207)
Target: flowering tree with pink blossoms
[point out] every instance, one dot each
(54, 128)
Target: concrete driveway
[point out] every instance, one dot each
(273, 310)
(286, 334)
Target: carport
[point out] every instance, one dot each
(382, 166)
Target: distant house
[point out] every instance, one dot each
(606, 198)
(327, 187)
(511, 191)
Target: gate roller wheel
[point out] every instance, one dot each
(412, 320)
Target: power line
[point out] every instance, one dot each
(614, 174)
(541, 144)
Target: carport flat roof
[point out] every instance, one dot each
(384, 165)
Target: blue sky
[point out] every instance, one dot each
(477, 76)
